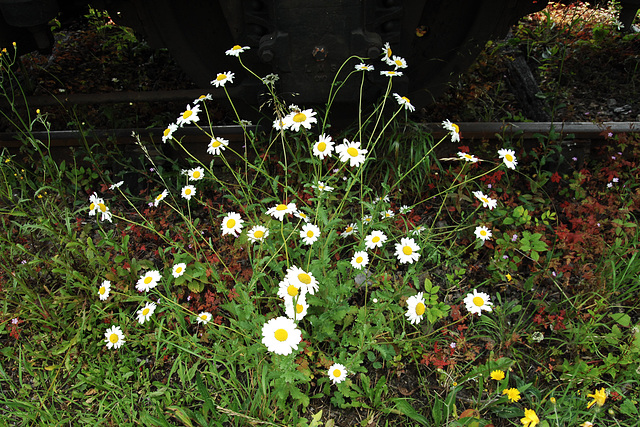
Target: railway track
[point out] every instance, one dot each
(579, 132)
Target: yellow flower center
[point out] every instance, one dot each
(102, 207)
(147, 280)
(483, 233)
(258, 234)
(337, 373)
(322, 146)
(509, 158)
(420, 309)
(309, 233)
(304, 278)
(281, 207)
(478, 301)
(221, 77)
(484, 200)
(299, 118)
(398, 62)
(145, 311)
(236, 47)
(102, 290)
(215, 143)
(349, 229)
(179, 270)
(166, 132)
(299, 308)
(187, 114)
(376, 239)
(202, 96)
(231, 223)
(359, 259)
(292, 290)
(196, 174)
(455, 127)
(203, 317)
(92, 206)
(281, 335)
(406, 100)
(114, 338)
(352, 151)
(407, 250)
(160, 196)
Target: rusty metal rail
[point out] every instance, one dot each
(469, 131)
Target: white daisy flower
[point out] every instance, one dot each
(509, 158)
(487, 202)
(114, 337)
(167, 134)
(350, 229)
(97, 205)
(145, 313)
(203, 98)
(367, 219)
(467, 157)
(309, 234)
(397, 62)
(418, 230)
(323, 187)
(204, 317)
(178, 269)
(304, 118)
(415, 308)
(406, 251)
(116, 185)
(303, 216)
(296, 308)
(217, 146)
(363, 67)
(404, 209)
(190, 115)
(304, 280)
(237, 50)
(148, 281)
(257, 233)
(477, 302)
(195, 174)
(387, 214)
(160, 197)
(279, 211)
(323, 147)
(386, 52)
(104, 290)
(351, 152)
(360, 259)
(232, 224)
(375, 239)
(453, 129)
(188, 191)
(222, 79)
(391, 73)
(337, 373)
(280, 124)
(286, 289)
(483, 233)
(281, 336)
(270, 79)
(404, 102)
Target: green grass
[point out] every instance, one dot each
(561, 270)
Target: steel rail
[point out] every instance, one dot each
(468, 131)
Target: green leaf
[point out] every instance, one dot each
(405, 408)
(628, 407)
(622, 318)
